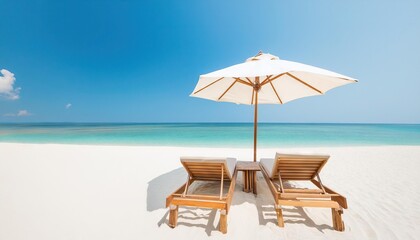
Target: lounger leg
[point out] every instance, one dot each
(245, 175)
(173, 215)
(223, 222)
(338, 223)
(279, 213)
(254, 178)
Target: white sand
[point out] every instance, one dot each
(118, 192)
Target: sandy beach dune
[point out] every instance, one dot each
(52, 191)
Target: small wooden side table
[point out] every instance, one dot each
(249, 170)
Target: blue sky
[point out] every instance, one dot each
(138, 61)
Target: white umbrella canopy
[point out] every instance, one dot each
(265, 79)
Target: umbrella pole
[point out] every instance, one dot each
(255, 124)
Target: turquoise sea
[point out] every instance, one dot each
(213, 134)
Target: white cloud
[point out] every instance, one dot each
(6, 85)
(20, 113)
(68, 105)
(23, 113)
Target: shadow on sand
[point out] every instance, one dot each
(291, 215)
(160, 187)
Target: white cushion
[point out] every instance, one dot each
(268, 164)
(230, 162)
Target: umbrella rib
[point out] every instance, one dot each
(305, 83)
(243, 82)
(266, 79)
(272, 79)
(208, 85)
(281, 102)
(227, 89)
(252, 98)
(249, 80)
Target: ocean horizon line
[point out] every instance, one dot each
(98, 122)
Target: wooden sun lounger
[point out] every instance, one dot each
(205, 169)
(290, 167)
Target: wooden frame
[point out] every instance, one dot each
(204, 171)
(302, 168)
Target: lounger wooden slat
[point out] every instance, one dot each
(300, 190)
(307, 195)
(309, 203)
(197, 169)
(285, 168)
(210, 179)
(209, 174)
(194, 202)
(199, 196)
(205, 169)
(295, 173)
(294, 167)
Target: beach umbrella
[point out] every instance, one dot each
(266, 79)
